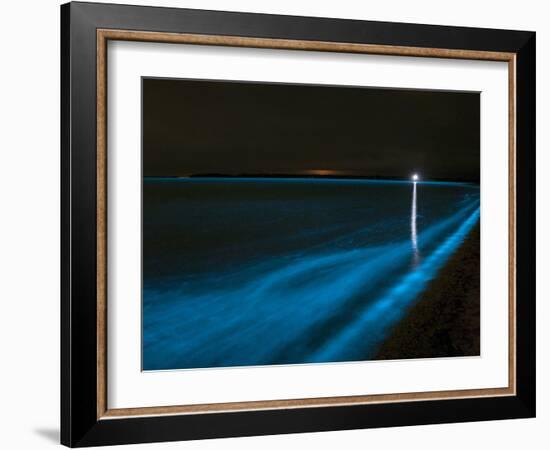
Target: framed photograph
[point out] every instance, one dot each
(276, 224)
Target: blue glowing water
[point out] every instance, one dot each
(243, 272)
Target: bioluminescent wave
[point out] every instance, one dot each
(238, 272)
(386, 310)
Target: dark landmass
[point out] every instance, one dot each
(313, 176)
(446, 320)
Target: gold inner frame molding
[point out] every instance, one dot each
(103, 36)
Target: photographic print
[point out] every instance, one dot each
(272, 224)
(300, 224)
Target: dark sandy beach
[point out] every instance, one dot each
(446, 320)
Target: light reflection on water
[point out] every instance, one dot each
(414, 240)
(323, 280)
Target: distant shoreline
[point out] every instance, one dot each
(309, 176)
(445, 321)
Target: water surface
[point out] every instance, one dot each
(287, 271)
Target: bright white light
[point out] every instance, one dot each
(415, 177)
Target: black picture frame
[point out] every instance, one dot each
(80, 425)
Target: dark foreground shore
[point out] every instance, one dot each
(445, 321)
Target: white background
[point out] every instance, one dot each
(29, 236)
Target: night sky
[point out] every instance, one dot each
(217, 127)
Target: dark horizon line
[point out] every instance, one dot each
(306, 175)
